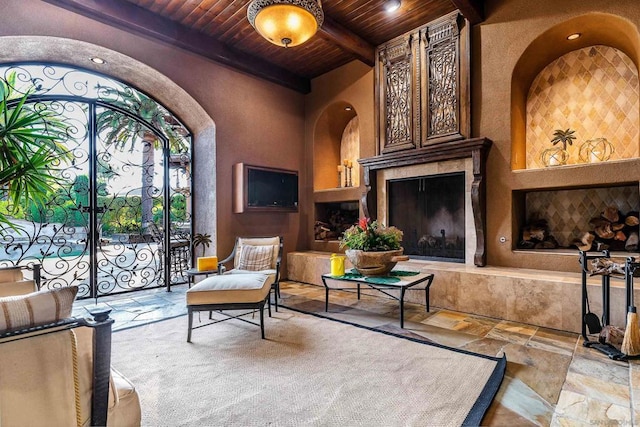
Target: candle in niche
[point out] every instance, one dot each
(345, 162)
(339, 168)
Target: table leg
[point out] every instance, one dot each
(326, 298)
(358, 290)
(426, 292)
(402, 308)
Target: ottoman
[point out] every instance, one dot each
(230, 292)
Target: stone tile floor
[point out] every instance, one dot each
(551, 379)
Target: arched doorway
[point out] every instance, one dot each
(120, 218)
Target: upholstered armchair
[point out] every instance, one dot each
(55, 369)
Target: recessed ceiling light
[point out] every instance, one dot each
(98, 60)
(573, 36)
(392, 5)
(347, 108)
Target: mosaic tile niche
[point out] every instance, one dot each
(568, 211)
(594, 91)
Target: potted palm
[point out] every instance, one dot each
(373, 249)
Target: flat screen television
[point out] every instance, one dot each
(264, 189)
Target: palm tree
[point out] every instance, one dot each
(203, 240)
(563, 136)
(124, 132)
(31, 146)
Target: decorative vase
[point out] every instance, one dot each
(378, 263)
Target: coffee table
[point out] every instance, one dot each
(396, 280)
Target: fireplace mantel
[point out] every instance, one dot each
(476, 149)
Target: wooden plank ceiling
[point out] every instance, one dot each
(219, 30)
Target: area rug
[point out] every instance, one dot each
(310, 371)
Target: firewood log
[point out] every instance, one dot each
(546, 244)
(604, 231)
(607, 266)
(617, 226)
(611, 214)
(620, 236)
(585, 241)
(631, 220)
(538, 234)
(632, 242)
(597, 222)
(526, 244)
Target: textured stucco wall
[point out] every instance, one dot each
(256, 122)
(498, 44)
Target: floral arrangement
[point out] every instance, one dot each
(371, 236)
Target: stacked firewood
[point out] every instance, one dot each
(338, 221)
(611, 230)
(323, 231)
(535, 235)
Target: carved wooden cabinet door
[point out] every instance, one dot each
(422, 79)
(445, 76)
(398, 94)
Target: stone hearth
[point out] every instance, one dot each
(536, 297)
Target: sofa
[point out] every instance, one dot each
(55, 369)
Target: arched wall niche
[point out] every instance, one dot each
(160, 87)
(327, 145)
(595, 29)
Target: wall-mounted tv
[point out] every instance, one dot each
(258, 188)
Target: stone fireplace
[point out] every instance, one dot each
(440, 189)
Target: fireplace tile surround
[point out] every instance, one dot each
(468, 156)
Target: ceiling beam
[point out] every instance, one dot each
(132, 18)
(348, 41)
(473, 10)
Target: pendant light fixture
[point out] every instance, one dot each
(286, 23)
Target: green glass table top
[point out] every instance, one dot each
(393, 277)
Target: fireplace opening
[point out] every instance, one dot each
(332, 219)
(430, 210)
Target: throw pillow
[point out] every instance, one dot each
(37, 308)
(255, 258)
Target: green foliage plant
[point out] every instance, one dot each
(371, 237)
(31, 146)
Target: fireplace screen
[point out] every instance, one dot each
(430, 211)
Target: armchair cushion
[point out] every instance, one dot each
(255, 258)
(273, 242)
(230, 288)
(19, 287)
(36, 308)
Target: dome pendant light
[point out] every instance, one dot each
(286, 23)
